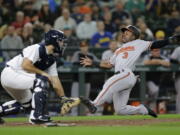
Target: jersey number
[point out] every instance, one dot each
(125, 55)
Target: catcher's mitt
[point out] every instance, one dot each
(67, 104)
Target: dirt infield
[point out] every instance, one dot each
(101, 122)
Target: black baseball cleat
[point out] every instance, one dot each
(1, 121)
(88, 104)
(151, 112)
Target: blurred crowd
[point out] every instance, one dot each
(90, 24)
(23, 22)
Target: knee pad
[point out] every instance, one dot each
(41, 83)
(39, 102)
(40, 94)
(10, 107)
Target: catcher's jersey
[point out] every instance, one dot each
(126, 56)
(38, 55)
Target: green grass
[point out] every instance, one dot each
(111, 117)
(135, 130)
(165, 128)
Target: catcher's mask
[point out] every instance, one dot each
(57, 39)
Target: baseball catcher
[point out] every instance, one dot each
(28, 76)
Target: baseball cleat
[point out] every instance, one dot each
(40, 120)
(88, 104)
(68, 104)
(151, 112)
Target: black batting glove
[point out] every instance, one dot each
(174, 39)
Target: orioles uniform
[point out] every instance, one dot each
(118, 87)
(175, 56)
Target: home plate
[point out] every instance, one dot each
(51, 124)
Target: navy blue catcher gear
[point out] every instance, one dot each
(45, 60)
(39, 100)
(14, 107)
(55, 37)
(10, 107)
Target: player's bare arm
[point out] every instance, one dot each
(88, 62)
(28, 66)
(54, 80)
(57, 86)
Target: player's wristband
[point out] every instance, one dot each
(63, 98)
(96, 64)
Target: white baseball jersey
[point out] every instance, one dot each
(16, 81)
(176, 56)
(126, 56)
(32, 53)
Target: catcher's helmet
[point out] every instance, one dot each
(53, 37)
(133, 29)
